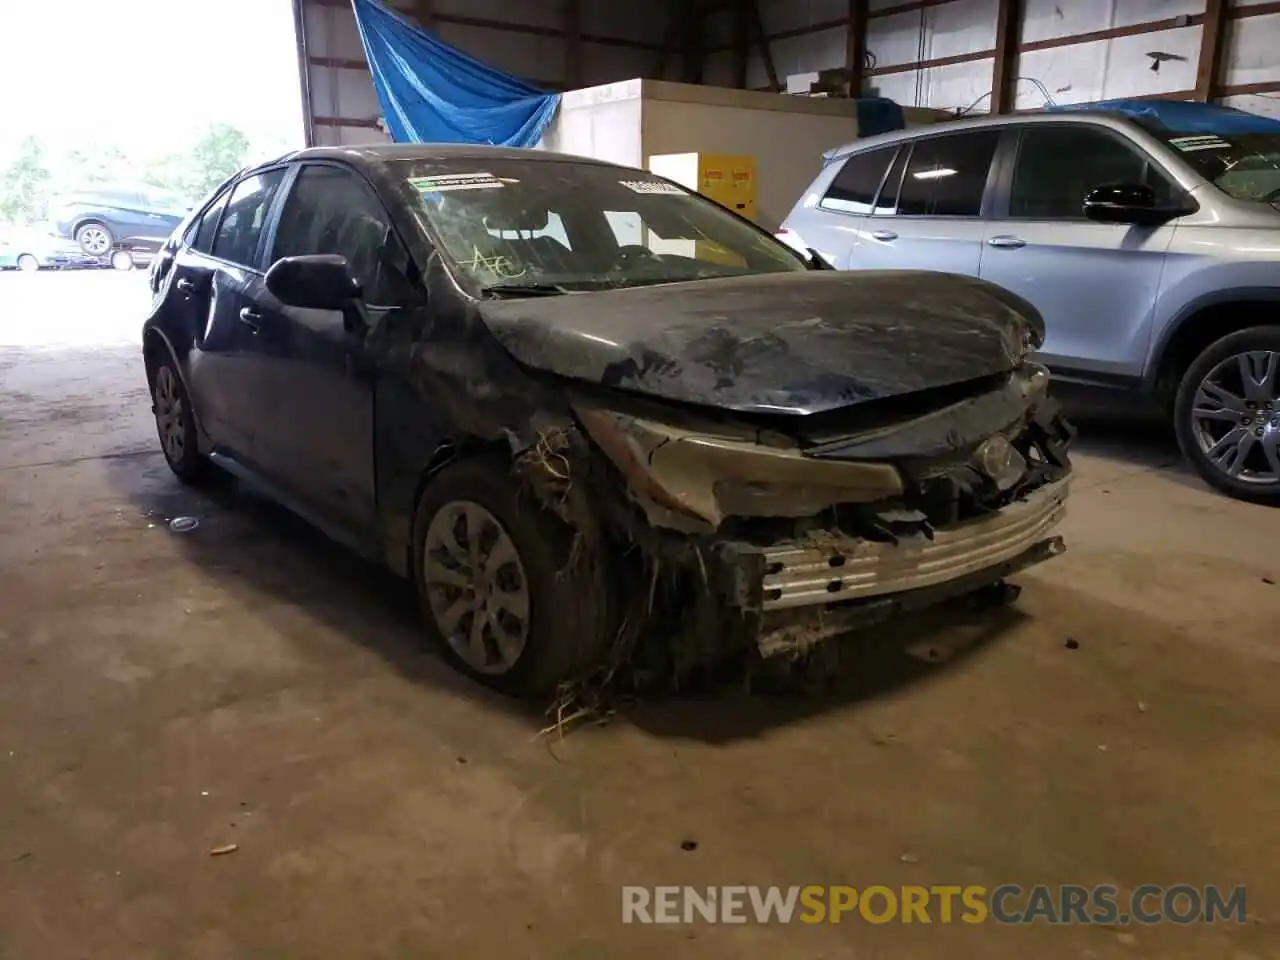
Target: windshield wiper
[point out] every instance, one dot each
(516, 288)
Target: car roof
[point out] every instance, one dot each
(375, 154)
(1107, 117)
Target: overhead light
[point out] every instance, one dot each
(934, 174)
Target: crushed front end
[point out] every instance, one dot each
(787, 531)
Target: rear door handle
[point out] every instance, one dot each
(250, 318)
(1007, 242)
(185, 285)
(884, 235)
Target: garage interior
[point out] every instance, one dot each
(245, 685)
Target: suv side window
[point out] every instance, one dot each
(854, 188)
(201, 232)
(946, 176)
(241, 226)
(1058, 166)
(332, 210)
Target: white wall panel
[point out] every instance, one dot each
(810, 51)
(951, 29)
(780, 15)
(1047, 19)
(952, 87)
(1253, 50)
(1106, 69)
(1267, 104)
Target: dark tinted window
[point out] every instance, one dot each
(1058, 166)
(854, 188)
(242, 224)
(946, 176)
(331, 210)
(203, 229)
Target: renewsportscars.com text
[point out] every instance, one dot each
(941, 903)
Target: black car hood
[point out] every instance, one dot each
(774, 343)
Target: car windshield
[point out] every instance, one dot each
(1244, 165)
(550, 226)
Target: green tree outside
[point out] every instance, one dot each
(24, 185)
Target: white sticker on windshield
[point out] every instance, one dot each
(1204, 142)
(652, 186)
(458, 181)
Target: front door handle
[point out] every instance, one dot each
(884, 235)
(251, 318)
(185, 285)
(1007, 242)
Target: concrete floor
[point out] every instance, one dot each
(163, 694)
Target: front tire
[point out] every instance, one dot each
(176, 424)
(95, 238)
(1227, 415)
(28, 264)
(503, 593)
(122, 260)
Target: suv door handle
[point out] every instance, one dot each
(1007, 242)
(251, 318)
(884, 235)
(185, 285)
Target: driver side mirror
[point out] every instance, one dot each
(321, 281)
(1132, 203)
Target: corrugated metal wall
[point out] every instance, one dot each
(615, 41)
(941, 53)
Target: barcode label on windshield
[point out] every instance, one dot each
(458, 181)
(1206, 142)
(652, 186)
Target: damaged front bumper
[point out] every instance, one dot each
(794, 541)
(830, 566)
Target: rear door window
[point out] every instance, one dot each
(946, 176)
(854, 188)
(246, 215)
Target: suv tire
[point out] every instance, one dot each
(95, 238)
(1227, 415)
(482, 544)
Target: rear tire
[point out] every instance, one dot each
(176, 424)
(28, 264)
(485, 550)
(122, 260)
(1227, 415)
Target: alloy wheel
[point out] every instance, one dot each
(28, 264)
(476, 586)
(94, 240)
(122, 260)
(1235, 417)
(170, 419)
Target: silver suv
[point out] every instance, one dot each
(1146, 232)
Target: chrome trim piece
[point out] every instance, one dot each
(832, 568)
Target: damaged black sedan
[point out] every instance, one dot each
(589, 412)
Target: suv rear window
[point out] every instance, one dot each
(855, 186)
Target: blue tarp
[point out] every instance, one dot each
(1184, 116)
(431, 92)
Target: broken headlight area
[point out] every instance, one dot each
(786, 538)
